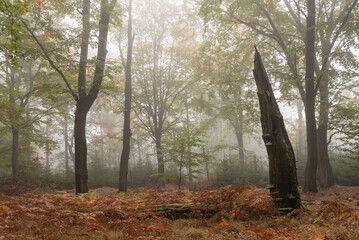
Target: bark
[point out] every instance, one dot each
(67, 170)
(239, 136)
(160, 163)
(325, 173)
(80, 149)
(47, 153)
(82, 108)
(180, 177)
(239, 130)
(15, 154)
(85, 101)
(206, 163)
(188, 157)
(139, 150)
(125, 155)
(15, 134)
(47, 157)
(310, 184)
(282, 165)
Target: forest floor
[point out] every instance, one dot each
(240, 213)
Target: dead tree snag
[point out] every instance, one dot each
(282, 166)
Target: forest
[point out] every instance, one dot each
(179, 119)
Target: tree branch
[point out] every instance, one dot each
(337, 34)
(50, 60)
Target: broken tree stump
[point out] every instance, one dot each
(284, 186)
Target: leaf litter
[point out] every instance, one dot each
(245, 212)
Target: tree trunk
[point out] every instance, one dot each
(67, 170)
(15, 133)
(188, 157)
(282, 166)
(206, 162)
(47, 153)
(47, 157)
(239, 131)
(80, 149)
(180, 177)
(300, 129)
(161, 166)
(310, 184)
(239, 136)
(325, 173)
(15, 154)
(125, 155)
(139, 150)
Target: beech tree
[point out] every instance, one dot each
(160, 61)
(226, 70)
(311, 167)
(84, 97)
(22, 83)
(127, 109)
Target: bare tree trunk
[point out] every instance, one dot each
(160, 163)
(239, 133)
(67, 170)
(15, 134)
(325, 173)
(139, 150)
(125, 156)
(47, 153)
(310, 184)
(47, 156)
(15, 153)
(239, 136)
(81, 174)
(180, 177)
(282, 166)
(190, 178)
(207, 168)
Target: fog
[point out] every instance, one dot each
(194, 111)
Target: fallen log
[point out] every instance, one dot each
(182, 210)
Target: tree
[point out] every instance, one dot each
(85, 98)
(160, 61)
(287, 39)
(127, 110)
(310, 184)
(22, 118)
(181, 150)
(345, 127)
(282, 166)
(11, 30)
(226, 71)
(68, 148)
